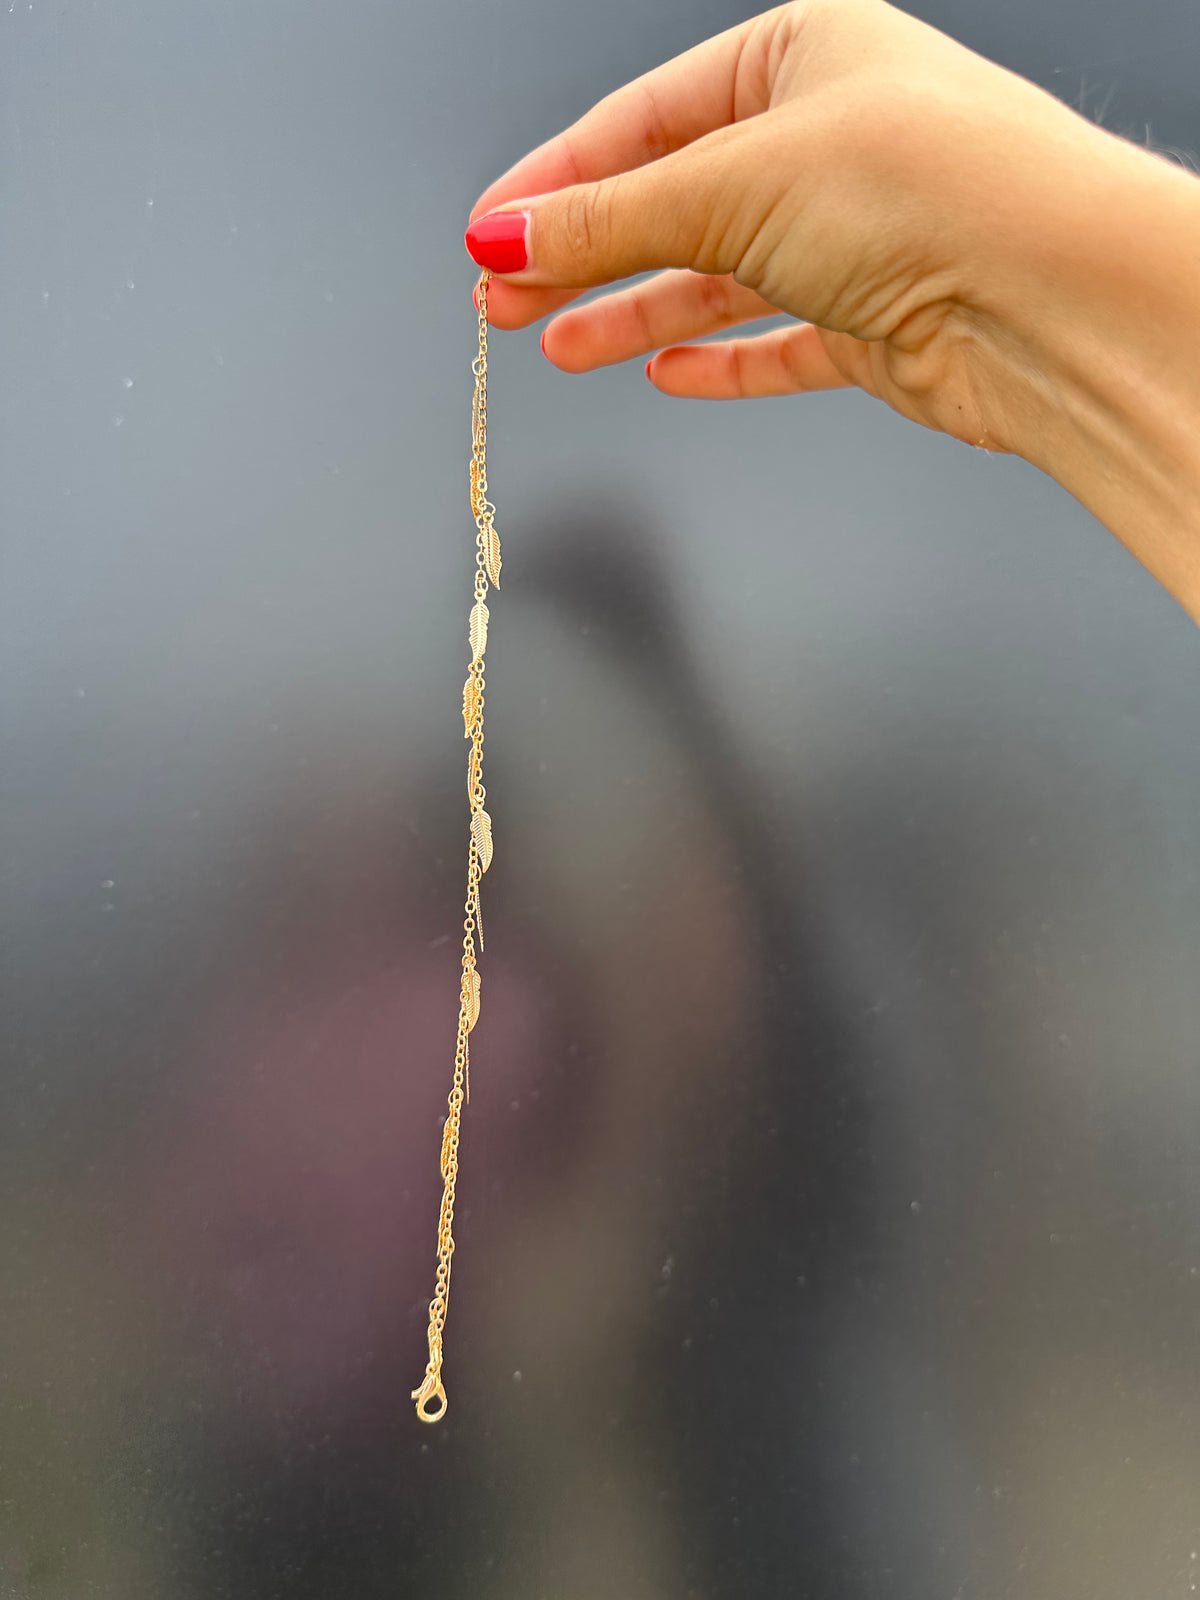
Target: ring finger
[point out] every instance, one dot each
(785, 361)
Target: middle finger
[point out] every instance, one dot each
(668, 308)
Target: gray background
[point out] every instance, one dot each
(829, 1221)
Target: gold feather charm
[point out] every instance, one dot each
(472, 773)
(471, 986)
(470, 704)
(481, 833)
(478, 630)
(491, 554)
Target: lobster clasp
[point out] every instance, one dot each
(431, 1389)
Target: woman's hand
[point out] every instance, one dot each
(949, 237)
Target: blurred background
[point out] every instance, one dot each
(829, 1214)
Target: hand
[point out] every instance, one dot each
(951, 239)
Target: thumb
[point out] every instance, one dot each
(698, 207)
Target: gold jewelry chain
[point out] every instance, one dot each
(479, 859)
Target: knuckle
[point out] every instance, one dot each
(737, 367)
(714, 296)
(792, 360)
(581, 224)
(642, 322)
(657, 135)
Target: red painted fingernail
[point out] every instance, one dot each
(648, 364)
(497, 241)
(542, 341)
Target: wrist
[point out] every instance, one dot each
(1098, 345)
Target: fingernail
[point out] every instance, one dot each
(648, 366)
(497, 240)
(475, 296)
(542, 341)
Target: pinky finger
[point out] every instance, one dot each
(785, 361)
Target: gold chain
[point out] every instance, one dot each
(479, 859)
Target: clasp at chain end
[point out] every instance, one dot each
(431, 1389)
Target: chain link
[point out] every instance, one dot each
(431, 1395)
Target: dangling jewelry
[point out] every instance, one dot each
(479, 859)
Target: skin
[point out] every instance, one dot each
(949, 237)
